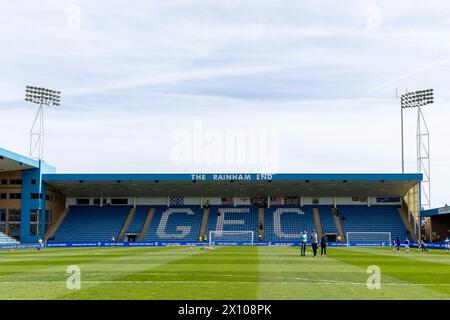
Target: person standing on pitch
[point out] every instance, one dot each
(41, 244)
(422, 247)
(323, 245)
(314, 239)
(407, 245)
(397, 244)
(303, 240)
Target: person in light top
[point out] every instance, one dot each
(41, 244)
(407, 245)
(422, 247)
(303, 240)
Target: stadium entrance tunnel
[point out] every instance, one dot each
(131, 237)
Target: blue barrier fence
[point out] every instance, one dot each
(19, 246)
(186, 243)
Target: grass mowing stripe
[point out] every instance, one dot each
(431, 256)
(228, 259)
(146, 260)
(331, 269)
(223, 273)
(393, 266)
(90, 261)
(202, 270)
(307, 281)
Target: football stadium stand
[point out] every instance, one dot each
(282, 223)
(38, 203)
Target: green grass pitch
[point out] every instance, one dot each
(223, 273)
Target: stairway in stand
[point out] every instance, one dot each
(204, 223)
(318, 223)
(56, 225)
(261, 223)
(147, 222)
(337, 221)
(126, 224)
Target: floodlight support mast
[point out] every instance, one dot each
(402, 140)
(37, 153)
(37, 135)
(42, 97)
(423, 158)
(418, 99)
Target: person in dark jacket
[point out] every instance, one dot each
(323, 245)
(397, 244)
(314, 241)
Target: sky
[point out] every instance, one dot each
(165, 85)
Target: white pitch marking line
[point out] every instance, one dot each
(227, 282)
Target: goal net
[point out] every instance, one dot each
(369, 238)
(224, 237)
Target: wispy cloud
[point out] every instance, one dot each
(324, 73)
(416, 71)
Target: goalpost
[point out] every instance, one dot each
(369, 238)
(246, 237)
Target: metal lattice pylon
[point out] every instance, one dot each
(423, 159)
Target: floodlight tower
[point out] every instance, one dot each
(418, 99)
(42, 97)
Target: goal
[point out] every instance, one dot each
(224, 237)
(369, 238)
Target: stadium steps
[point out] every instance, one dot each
(408, 224)
(204, 223)
(337, 221)
(126, 224)
(261, 222)
(146, 225)
(56, 225)
(7, 240)
(318, 223)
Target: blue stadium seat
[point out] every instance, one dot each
(138, 220)
(377, 218)
(245, 218)
(182, 223)
(91, 223)
(327, 219)
(293, 220)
